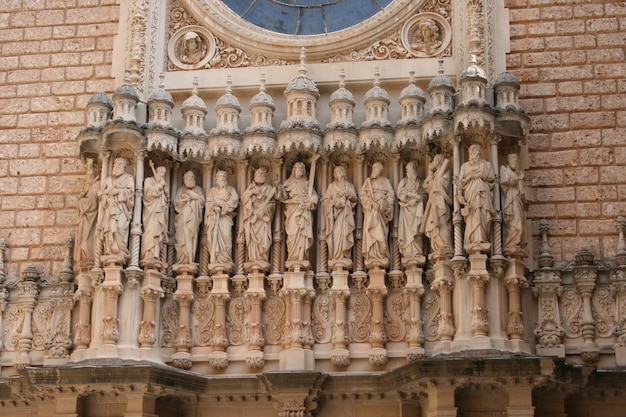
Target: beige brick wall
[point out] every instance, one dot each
(53, 57)
(570, 56)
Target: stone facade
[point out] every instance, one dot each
(479, 329)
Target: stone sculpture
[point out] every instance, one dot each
(377, 199)
(476, 181)
(188, 206)
(436, 224)
(411, 198)
(258, 203)
(221, 202)
(87, 218)
(300, 199)
(514, 205)
(193, 49)
(117, 197)
(156, 198)
(338, 204)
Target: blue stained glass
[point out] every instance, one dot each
(306, 17)
(311, 21)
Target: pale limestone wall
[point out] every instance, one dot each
(53, 56)
(570, 58)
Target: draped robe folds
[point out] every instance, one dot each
(377, 198)
(220, 211)
(188, 205)
(87, 218)
(155, 216)
(513, 209)
(117, 197)
(411, 198)
(437, 220)
(258, 211)
(338, 204)
(299, 208)
(477, 180)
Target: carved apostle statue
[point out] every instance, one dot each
(338, 204)
(156, 197)
(221, 202)
(514, 206)
(437, 221)
(300, 199)
(258, 203)
(411, 198)
(377, 199)
(188, 206)
(476, 181)
(117, 197)
(87, 218)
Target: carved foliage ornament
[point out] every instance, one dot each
(426, 34)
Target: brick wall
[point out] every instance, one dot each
(570, 56)
(53, 57)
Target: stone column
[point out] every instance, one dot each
(278, 258)
(515, 281)
(585, 275)
(219, 295)
(255, 294)
(151, 291)
(4, 294)
(340, 293)
(376, 291)
(59, 341)
(184, 297)
(136, 226)
(240, 249)
(111, 288)
(478, 277)
(84, 296)
(99, 238)
(413, 290)
(443, 284)
(457, 219)
(358, 243)
(496, 243)
(207, 180)
(28, 293)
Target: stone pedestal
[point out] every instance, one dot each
(255, 295)
(151, 292)
(443, 283)
(296, 355)
(184, 297)
(340, 291)
(377, 290)
(414, 289)
(111, 287)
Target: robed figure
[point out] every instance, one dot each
(436, 224)
(411, 198)
(338, 203)
(300, 200)
(188, 205)
(476, 182)
(377, 199)
(117, 197)
(156, 198)
(514, 206)
(258, 204)
(87, 218)
(221, 203)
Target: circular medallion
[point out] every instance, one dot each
(192, 47)
(280, 28)
(426, 35)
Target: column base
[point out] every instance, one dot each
(378, 356)
(551, 351)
